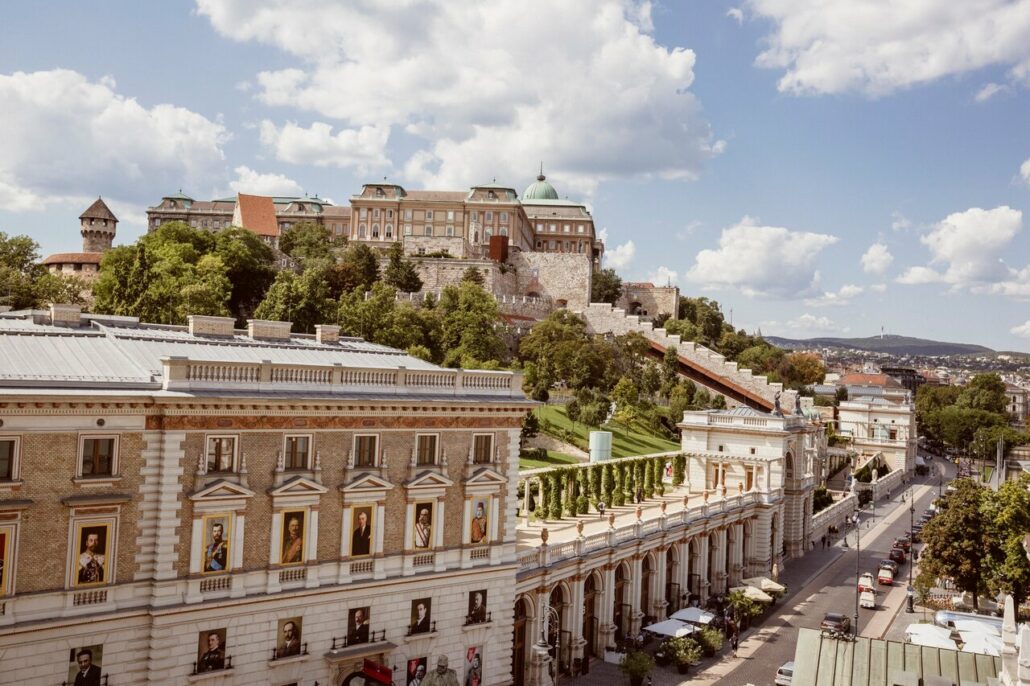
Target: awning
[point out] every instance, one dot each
(766, 584)
(753, 593)
(977, 627)
(670, 627)
(694, 615)
(932, 641)
(984, 644)
(920, 462)
(927, 630)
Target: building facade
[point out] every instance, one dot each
(98, 226)
(204, 504)
(883, 424)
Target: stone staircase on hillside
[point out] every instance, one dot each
(605, 318)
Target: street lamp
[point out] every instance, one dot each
(912, 547)
(858, 565)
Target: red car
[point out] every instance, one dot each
(897, 554)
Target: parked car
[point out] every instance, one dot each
(885, 577)
(903, 542)
(785, 674)
(866, 582)
(835, 622)
(889, 564)
(897, 555)
(867, 599)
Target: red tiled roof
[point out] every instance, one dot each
(257, 214)
(74, 258)
(855, 379)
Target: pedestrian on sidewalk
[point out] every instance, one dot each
(735, 643)
(824, 540)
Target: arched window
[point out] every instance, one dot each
(389, 230)
(361, 230)
(375, 229)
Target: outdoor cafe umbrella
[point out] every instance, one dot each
(753, 593)
(694, 615)
(766, 584)
(976, 642)
(670, 627)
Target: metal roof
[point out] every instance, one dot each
(824, 661)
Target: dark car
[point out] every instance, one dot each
(835, 622)
(903, 543)
(889, 564)
(897, 555)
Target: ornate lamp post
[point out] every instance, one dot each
(912, 548)
(858, 566)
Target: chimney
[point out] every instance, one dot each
(65, 315)
(260, 328)
(205, 325)
(327, 333)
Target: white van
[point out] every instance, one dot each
(785, 674)
(867, 600)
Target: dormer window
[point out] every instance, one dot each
(491, 195)
(380, 193)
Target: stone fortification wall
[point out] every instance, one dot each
(455, 245)
(565, 278)
(603, 318)
(649, 301)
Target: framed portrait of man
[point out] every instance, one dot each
(358, 625)
(417, 670)
(477, 607)
(217, 529)
(288, 637)
(479, 527)
(474, 666)
(210, 650)
(92, 558)
(422, 535)
(361, 534)
(293, 537)
(85, 665)
(421, 615)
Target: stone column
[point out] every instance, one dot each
(575, 612)
(720, 560)
(658, 597)
(636, 574)
(705, 585)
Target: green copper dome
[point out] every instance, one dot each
(541, 190)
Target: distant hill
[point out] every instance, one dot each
(895, 345)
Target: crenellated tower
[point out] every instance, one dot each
(97, 226)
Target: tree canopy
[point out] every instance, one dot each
(605, 287)
(25, 283)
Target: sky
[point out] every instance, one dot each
(819, 168)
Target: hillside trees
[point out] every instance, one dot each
(25, 283)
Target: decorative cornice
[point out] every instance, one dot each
(363, 421)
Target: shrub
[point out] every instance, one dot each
(865, 474)
(636, 664)
(555, 492)
(684, 650)
(821, 499)
(679, 469)
(711, 640)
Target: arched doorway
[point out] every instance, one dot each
(520, 642)
(645, 588)
(591, 594)
(558, 638)
(672, 588)
(620, 611)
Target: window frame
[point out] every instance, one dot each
(429, 215)
(80, 472)
(307, 458)
(375, 450)
(418, 450)
(234, 467)
(15, 458)
(489, 452)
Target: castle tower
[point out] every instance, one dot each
(97, 226)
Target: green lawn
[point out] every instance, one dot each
(553, 459)
(627, 441)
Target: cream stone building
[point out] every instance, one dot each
(208, 505)
(97, 225)
(881, 424)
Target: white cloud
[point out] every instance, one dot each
(876, 47)
(967, 250)
(250, 181)
(363, 149)
(736, 14)
(487, 90)
(803, 325)
(1024, 171)
(762, 260)
(878, 288)
(989, 91)
(900, 222)
(831, 298)
(663, 276)
(877, 259)
(687, 231)
(1023, 330)
(68, 139)
(620, 256)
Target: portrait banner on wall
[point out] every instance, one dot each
(85, 665)
(474, 666)
(288, 637)
(361, 535)
(479, 527)
(217, 528)
(422, 536)
(92, 540)
(417, 670)
(210, 650)
(358, 625)
(477, 607)
(421, 615)
(293, 537)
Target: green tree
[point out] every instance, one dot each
(363, 262)
(249, 266)
(469, 334)
(474, 275)
(25, 283)
(605, 286)
(560, 350)
(303, 299)
(984, 392)
(955, 540)
(307, 242)
(400, 272)
(1006, 513)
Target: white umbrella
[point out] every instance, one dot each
(927, 630)
(753, 593)
(693, 614)
(670, 627)
(765, 584)
(985, 644)
(932, 641)
(976, 626)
